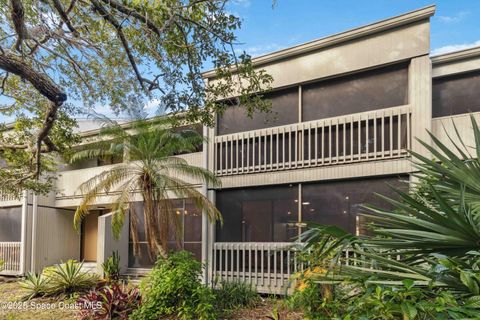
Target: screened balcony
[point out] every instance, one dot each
(373, 135)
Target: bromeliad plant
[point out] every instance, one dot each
(151, 167)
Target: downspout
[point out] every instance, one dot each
(34, 233)
(23, 232)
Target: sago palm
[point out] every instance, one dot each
(152, 168)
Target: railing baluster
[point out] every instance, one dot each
(297, 145)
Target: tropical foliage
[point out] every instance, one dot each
(115, 301)
(111, 267)
(152, 167)
(64, 279)
(423, 259)
(173, 288)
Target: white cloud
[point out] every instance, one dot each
(455, 47)
(256, 51)
(455, 18)
(243, 3)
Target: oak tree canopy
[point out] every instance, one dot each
(61, 57)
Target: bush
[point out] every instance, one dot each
(235, 294)
(173, 287)
(66, 278)
(110, 302)
(111, 267)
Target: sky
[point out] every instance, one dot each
(455, 25)
(267, 28)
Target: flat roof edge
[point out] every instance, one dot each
(356, 33)
(456, 55)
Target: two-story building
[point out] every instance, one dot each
(346, 110)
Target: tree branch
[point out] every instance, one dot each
(18, 18)
(63, 15)
(111, 19)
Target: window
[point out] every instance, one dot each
(10, 224)
(456, 94)
(284, 111)
(190, 237)
(258, 214)
(369, 90)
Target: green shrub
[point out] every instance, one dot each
(173, 288)
(235, 294)
(308, 298)
(111, 267)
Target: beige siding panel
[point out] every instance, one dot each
(364, 169)
(56, 239)
(444, 125)
(456, 67)
(388, 47)
(420, 99)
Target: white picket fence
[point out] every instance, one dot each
(10, 255)
(372, 135)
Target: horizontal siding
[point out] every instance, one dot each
(364, 169)
(444, 127)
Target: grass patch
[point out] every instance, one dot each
(11, 292)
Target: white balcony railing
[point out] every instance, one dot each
(10, 255)
(7, 200)
(372, 135)
(266, 266)
(68, 182)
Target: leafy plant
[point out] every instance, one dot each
(422, 261)
(111, 267)
(68, 278)
(231, 295)
(173, 288)
(34, 285)
(114, 301)
(152, 167)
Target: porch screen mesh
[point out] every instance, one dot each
(190, 236)
(339, 203)
(258, 214)
(10, 224)
(269, 214)
(284, 111)
(456, 94)
(369, 90)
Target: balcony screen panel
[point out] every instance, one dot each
(10, 224)
(369, 90)
(189, 220)
(284, 111)
(258, 214)
(456, 94)
(338, 203)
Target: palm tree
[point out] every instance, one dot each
(151, 167)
